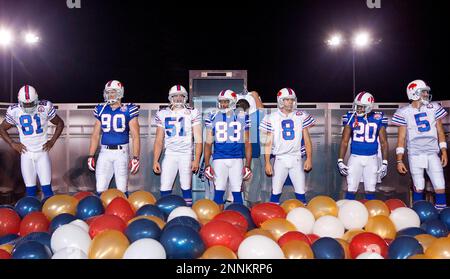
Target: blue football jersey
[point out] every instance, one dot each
(228, 132)
(115, 123)
(365, 131)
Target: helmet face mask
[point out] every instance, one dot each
(29, 108)
(418, 90)
(28, 99)
(178, 96)
(226, 100)
(113, 92)
(287, 99)
(425, 96)
(363, 103)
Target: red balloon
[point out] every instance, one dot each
(34, 222)
(312, 237)
(233, 217)
(106, 222)
(9, 222)
(394, 203)
(265, 211)
(368, 242)
(221, 233)
(121, 208)
(289, 236)
(90, 220)
(4, 255)
(81, 195)
(363, 201)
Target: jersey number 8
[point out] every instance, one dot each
(117, 123)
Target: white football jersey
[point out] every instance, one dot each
(287, 131)
(421, 135)
(177, 125)
(32, 127)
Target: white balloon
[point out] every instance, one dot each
(340, 203)
(353, 214)
(302, 219)
(182, 211)
(259, 247)
(70, 236)
(145, 248)
(404, 217)
(329, 226)
(369, 256)
(70, 253)
(80, 223)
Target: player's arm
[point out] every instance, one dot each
(268, 141)
(136, 141)
(308, 146)
(95, 137)
(157, 149)
(345, 139)
(248, 149)
(400, 150)
(442, 142)
(59, 123)
(198, 141)
(208, 147)
(258, 101)
(384, 143)
(4, 127)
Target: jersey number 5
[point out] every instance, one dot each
(423, 125)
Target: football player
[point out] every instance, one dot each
(177, 125)
(284, 131)
(365, 127)
(114, 122)
(228, 130)
(420, 125)
(31, 117)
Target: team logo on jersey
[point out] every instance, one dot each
(377, 116)
(123, 109)
(298, 113)
(41, 109)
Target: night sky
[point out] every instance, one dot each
(150, 47)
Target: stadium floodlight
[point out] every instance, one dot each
(334, 41)
(362, 40)
(31, 38)
(6, 37)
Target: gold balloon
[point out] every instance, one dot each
(141, 198)
(425, 240)
(110, 244)
(377, 207)
(277, 227)
(418, 257)
(205, 210)
(219, 252)
(155, 219)
(349, 235)
(288, 205)
(59, 204)
(439, 249)
(262, 232)
(382, 226)
(111, 194)
(297, 250)
(346, 246)
(321, 206)
(7, 247)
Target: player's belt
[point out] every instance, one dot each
(114, 147)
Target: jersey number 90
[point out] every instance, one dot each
(116, 123)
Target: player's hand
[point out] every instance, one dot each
(246, 173)
(157, 167)
(382, 171)
(269, 169)
(343, 168)
(19, 147)
(91, 163)
(308, 165)
(209, 172)
(444, 159)
(401, 168)
(48, 145)
(134, 165)
(195, 166)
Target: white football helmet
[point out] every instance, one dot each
(28, 99)
(415, 90)
(286, 93)
(363, 99)
(113, 87)
(229, 95)
(175, 91)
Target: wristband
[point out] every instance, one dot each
(399, 150)
(385, 162)
(443, 145)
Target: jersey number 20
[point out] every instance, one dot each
(365, 132)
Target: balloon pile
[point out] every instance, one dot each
(112, 226)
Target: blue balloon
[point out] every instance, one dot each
(184, 221)
(244, 211)
(41, 237)
(61, 219)
(444, 216)
(142, 228)
(181, 242)
(150, 210)
(426, 211)
(436, 228)
(7, 206)
(168, 203)
(327, 248)
(6, 239)
(411, 232)
(31, 250)
(404, 247)
(89, 207)
(27, 205)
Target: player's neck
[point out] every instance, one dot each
(115, 105)
(286, 112)
(416, 104)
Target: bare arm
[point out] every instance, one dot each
(208, 147)
(157, 149)
(268, 136)
(136, 139)
(346, 133)
(401, 168)
(384, 143)
(258, 101)
(59, 123)
(95, 137)
(198, 140)
(248, 149)
(308, 146)
(17, 146)
(441, 137)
